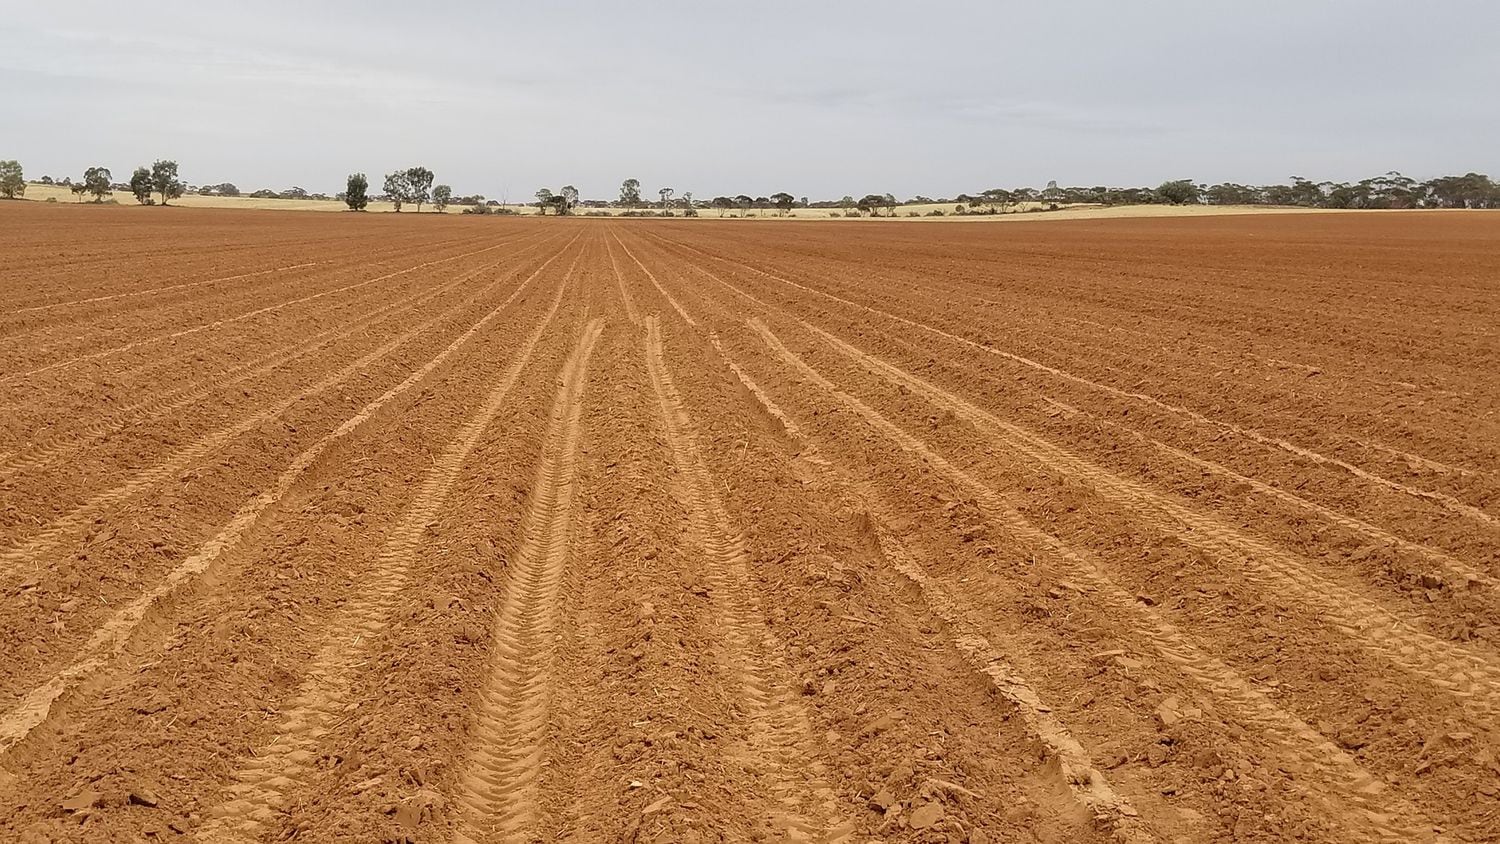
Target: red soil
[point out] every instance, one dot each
(341, 528)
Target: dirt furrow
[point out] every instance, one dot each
(23, 558)
(1396, 635)
(656, 283)
(779, 739)
(1461, 671)
(498, 802)
(179, 397)
(1338, 781)
(630, 310)
(185, 285)
(1085, 782)
(265, 779)
(251, 314)
(111, 638)
(1449, 502)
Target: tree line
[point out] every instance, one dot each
(160, 183)
(1390, 190)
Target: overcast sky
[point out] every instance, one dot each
(815, 97)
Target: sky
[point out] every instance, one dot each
(818, 98)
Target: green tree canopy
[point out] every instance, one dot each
(357, 192)
(141, 186)
(96, 180)
(164, 180)
(12, 179)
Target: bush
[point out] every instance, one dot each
(936, 212)
(52, 199)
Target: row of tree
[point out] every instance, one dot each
(1389, 190)
(414, 186)
(160, 178)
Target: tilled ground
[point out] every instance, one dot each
(429, 529)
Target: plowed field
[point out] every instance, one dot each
(433, 529)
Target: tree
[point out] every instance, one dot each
(847, 203)
(744, 202)
(630, 193)
(96, 181)
(1052, 194)
(398, 189)
(567, 199)
(226, 189)
(994, 197)
(418, 186)
(869, 203)
(357, 192)
(140, 185)
(783, 202)
(889, 201)
(544, 198)
(441, 196)
(164, 180)
(723, 203)
(12, 179)
(666, 198)
(1179, 192)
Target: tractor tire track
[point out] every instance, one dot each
(497, 801)
(1334, 777)
(212, 324)
(110, 640)
(1442, 499)
(1395, 635)
(162, 405)
(266, 778)
(71, 525)
(1085, 782)
(779, 734)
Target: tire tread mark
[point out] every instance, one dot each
(109, 641)
(1336, 777)
(779, 733)
(497, 792)
(238, 317)
(266, 777)
(1469, 676)
(1393, 634)
(630, 309)
(160, 405)
(182, 286)
(1447, 501)
(1086, 783)
(662, 290)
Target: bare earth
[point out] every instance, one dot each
(388, 529)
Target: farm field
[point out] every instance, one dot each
(333, 528)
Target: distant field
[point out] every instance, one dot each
(41, 193)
